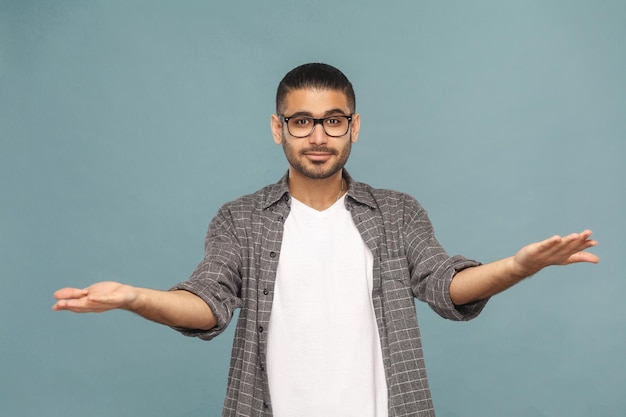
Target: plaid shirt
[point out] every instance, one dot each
(243, 246)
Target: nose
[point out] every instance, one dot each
(318, 135)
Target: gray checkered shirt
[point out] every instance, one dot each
(239, 269)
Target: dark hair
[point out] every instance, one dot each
(315, 75)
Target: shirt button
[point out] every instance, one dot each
(272, 254)
(280, 218)
(260, 329)
(265, 291)
(265, 405)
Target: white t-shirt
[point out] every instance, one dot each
(323, 353)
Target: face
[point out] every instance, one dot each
(317, 156)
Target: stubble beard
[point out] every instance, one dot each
(316, 169)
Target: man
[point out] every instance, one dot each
(325, 270)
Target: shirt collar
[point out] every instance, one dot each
(358, 191)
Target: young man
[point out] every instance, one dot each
(325, 270)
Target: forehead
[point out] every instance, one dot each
(315, 101)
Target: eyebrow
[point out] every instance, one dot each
(331, 112)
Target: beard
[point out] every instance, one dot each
(317, 169)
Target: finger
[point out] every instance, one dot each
(579, 241)
(69, 305)
(78, 306)
(67, 293)
(586, 234)
(582, 236)
(101, 298)
(573, 242)
(558, 250)
(550, 244)
(583, 257)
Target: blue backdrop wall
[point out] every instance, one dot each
(124, 125)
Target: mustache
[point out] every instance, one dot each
(323, 149)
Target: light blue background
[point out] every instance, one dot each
(124, 125)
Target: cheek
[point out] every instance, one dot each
(287, 148)
(347, 149)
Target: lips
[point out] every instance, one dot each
(318, 156)
(315, 152)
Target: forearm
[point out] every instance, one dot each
(173, 308)
(484, 281)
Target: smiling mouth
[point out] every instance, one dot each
(318, 156)
(322, 151)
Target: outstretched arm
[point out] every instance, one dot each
(483, 281)
(172, 308)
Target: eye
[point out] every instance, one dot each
(300, 121)
(334, 121)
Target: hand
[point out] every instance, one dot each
(97, 298)
(556, 250)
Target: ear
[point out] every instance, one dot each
(277, 129)
(356, 126)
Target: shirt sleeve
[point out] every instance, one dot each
(431, 268)
(217, 279)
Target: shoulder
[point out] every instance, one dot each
(254, 203)
(239, 215)
(262, 198)
(258, 199)
(386, 200)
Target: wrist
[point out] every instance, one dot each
(135, 299)
(518, 270)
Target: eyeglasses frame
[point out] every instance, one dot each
(319, 121)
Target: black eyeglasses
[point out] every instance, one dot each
(303, 126)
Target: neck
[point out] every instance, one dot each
(316, 193)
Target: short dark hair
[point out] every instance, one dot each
(315, 75)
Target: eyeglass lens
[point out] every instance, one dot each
(302, 126)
